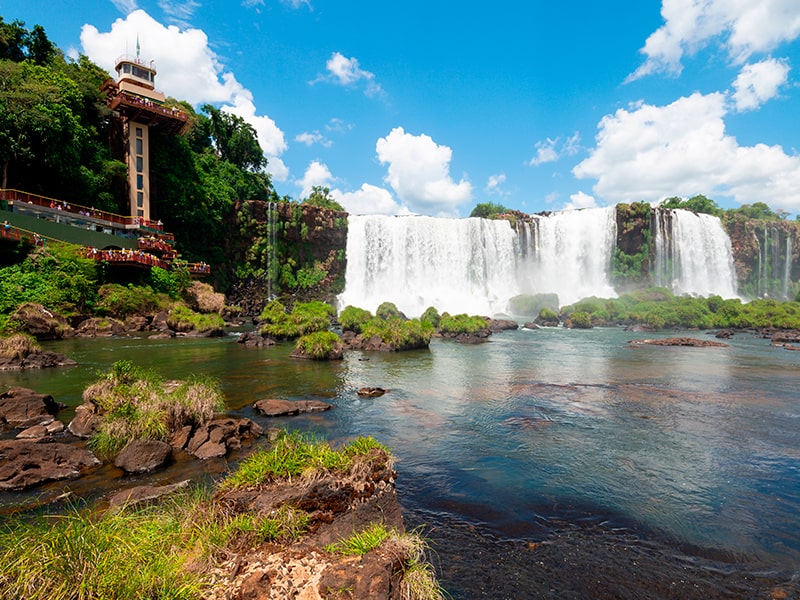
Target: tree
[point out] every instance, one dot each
(321, 196)
(698, 204)
(757, 210)
(488, 210)
(235, 140)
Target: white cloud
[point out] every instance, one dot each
(369, 200)
(309, 138)
(179, 13)
(551, 150)
(580, 200)
(317, 173)
(125, 6)
(494, 184)
(649, 152)
(188, 70)
(743, 27)
(348, 73)
(419, 173)
(758, 83)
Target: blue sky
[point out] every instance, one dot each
(433, 107)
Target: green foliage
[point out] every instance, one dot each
(431, 315)
(305, 318)
(399, 333)
(296, 454)
(171, 283)
(698, 204)
(183, 318)
(309, 277)
(579, 320)
(388, 310)
(120, 301)
(135, 404)
(548, 316)
(758, 211)
(235, 140)
(488, 210)
(359, 543)
(321, 196)
(319, 345)
(57, 276)
(461, 323)
(353, 318)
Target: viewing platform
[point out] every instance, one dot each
(122, 240)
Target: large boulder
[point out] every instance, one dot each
(34, 319)
(86, 421)
(27, 463)
(99, 327)
(141, 456)
(202, 298)
(22, 408)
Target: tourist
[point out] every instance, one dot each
(6, 227)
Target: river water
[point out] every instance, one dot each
(546, 463)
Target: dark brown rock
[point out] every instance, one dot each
(26, 463)
(42, 430)
(215, 438)
(497, 325)
(36, 320)
(679, 341)
(252, 339)
(23, 408)
(530, 325)
(141, 456)
(85, 421)
(38, 359)
(99, 327)
(180, 438)
(275, 407)
(371, 392)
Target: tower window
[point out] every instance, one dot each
(139, 146)
(140, 199)
(139, 182)
(139, 164)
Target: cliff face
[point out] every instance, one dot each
(766, 255)
(285, 250)
(632, 257)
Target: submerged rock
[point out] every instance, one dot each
(275, 407)
(679, 341)
(371, 392)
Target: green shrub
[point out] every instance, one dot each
(183, 318)
(353, 318)
(431, 315)
(388, 310)
(398, 333)
(120, 301)
(361, 542)
(532, 304)
(461, 323)
(305, 318)
(579, 320)
(319, 345)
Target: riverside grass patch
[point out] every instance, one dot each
(137, 404)
(305, 318)
(295, 454)
(319, 345)
(18, 345)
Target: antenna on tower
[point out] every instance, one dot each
(137, 46)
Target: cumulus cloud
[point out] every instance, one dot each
(179, 13)
(758, 83)
(188, 69)
(309, 138)
(419, 173)
(550, 150)
(348, 73)
(368, 200)
(650, 152)
(743, 28)
(580, 200)
(125, 6)
(494, 185)
(316, 173)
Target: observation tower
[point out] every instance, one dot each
(138, 107)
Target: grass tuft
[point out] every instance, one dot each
(18, 346)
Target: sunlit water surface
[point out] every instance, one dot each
(698, 447)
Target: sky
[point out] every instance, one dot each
(425, 107)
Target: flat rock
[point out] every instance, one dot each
(22, 408)
(27, 463)
(217, 437)
(144, 493)
(275, 407)
(141, 456)
(38, 359)
(679, 341)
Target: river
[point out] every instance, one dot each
(545, 463)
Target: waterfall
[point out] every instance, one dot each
(569, 253)
(272, 235)
(693, 254)
(456, 265)
(787, 267)
(476, 265)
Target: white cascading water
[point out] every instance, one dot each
(569, 253)
(693, 254)
(456, 265)
(476, 265)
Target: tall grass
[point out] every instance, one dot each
(18, 346)
(135, 403)
(319, 345)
